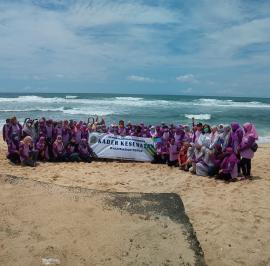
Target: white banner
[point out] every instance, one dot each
(125, 148)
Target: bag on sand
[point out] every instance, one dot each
(254, 147)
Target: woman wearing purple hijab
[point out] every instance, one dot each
(236, 136)
(5, 130)
(85, 151)
(41, 147)
(13, 149)
(66, 133)
(15, 128)
(246, 148)
(228, 167)
(235, 139)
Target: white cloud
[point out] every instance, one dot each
(140, 78)
(188, 78)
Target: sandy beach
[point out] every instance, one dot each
(232, 221)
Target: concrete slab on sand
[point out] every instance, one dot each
(46, 223)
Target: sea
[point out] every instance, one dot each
(149, 109)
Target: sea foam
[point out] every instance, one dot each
(198, 116)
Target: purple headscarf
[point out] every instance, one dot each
(250, 131)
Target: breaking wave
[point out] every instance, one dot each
(135, 102)
(230, 103)
(198, 116)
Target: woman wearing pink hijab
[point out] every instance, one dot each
(247, 147)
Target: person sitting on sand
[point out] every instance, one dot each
(85, 151)
(71, 151)
(161, 153)
(59, 152)
(228, 167)
(13, 149)
(216, 156)
(204, 162)
(199, 152)
(42, 149)
(28, 155)
(247, 147)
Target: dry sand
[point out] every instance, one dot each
(232, 221)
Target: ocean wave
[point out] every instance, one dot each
(134, 102)
(129, 98)
(117, 101)
(264, 139)
(229, 103)
(71, 111)
(60, 109)
(77, 111)
(71, 97)
(198, 116)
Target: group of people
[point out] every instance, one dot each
(46, 140)
(224, 151)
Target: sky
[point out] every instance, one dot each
(191, 47)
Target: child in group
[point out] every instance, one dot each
(183, 156)
(58, 149)
(173, 153)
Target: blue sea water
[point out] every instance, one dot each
(150, 109)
